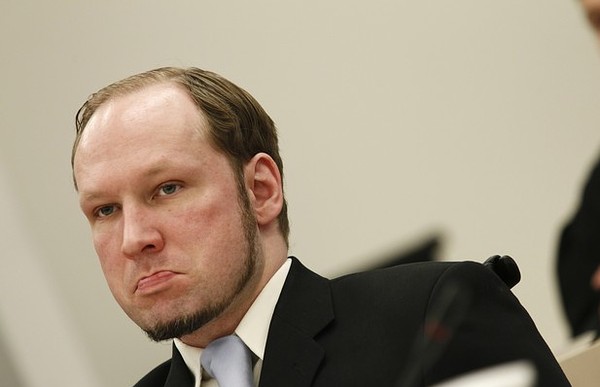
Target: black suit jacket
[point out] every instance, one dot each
(360, 329)
(578, 259)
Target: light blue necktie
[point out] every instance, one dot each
(228, 360)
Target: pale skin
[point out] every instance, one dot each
(592, 10)
(163, 208)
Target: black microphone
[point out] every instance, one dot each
(445, 315)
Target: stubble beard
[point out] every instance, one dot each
(187, 324)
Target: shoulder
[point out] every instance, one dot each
(156, 377)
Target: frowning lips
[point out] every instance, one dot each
(154, 281)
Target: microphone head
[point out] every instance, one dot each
(506, 268)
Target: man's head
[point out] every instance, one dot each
(238, 126)
(178, 173)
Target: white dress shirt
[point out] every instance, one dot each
(253, 329)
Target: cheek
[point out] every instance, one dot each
(216, 229)
(216, 210)
(105, 247)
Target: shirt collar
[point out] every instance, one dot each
(254, 327)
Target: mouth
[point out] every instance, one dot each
(154, 282)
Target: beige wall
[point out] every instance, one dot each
(397, 118)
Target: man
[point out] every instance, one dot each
(179, 174)
(578, 264)
(579, 259)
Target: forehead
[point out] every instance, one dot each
(149, 122)
(158, 104)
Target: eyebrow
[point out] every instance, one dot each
(150, 172)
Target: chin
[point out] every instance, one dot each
(182, 325)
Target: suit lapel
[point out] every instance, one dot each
(292, 356)
(179, 374)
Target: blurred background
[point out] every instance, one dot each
(472, 121)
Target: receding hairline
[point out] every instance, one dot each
(129, 85)
(140, 81)
(120, 93)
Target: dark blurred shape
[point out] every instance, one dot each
(505, 267)
(423, 252)
(579, 258)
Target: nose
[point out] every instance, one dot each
(140, 234)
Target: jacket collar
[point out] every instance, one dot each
(292, 356)
(179, 375)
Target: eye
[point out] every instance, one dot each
(168, 189)
(104, 211)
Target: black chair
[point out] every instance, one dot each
(505, 267)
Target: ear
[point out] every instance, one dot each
(265, 188)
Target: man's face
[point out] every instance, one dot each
(592, 9)
(165, 213)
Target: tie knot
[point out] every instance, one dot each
(229, 361)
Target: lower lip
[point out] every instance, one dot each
(155, 282)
